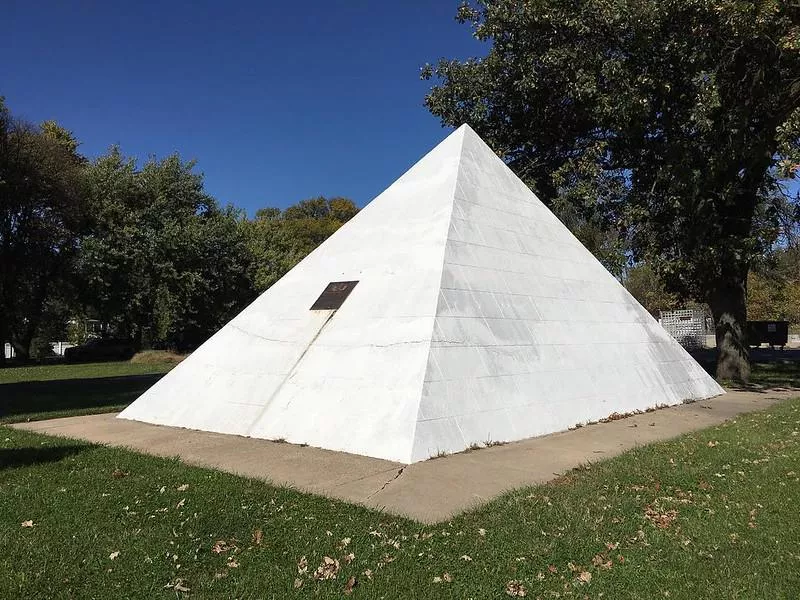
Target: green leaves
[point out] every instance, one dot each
(42, 215)
(276, 241)
(163, 260)
(662, 123)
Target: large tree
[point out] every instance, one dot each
(41, 218)
(670, 119)
(163, 262)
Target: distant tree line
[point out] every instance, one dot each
(142, 248)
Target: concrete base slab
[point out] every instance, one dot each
(428, 491)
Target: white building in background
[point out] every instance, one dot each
(454, 309)
(58, 349)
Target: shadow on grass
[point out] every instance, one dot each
(60, 396)
(776, 375)
(771, 369)
(11, 458)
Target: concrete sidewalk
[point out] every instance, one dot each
(428, 491)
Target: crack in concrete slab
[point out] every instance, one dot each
(383, 487)
(350, 482)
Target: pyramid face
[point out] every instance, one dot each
(469, 314)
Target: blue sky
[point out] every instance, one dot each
(277, 101)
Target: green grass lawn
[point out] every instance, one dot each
(44, 392)
(776, 374)
(772, 370)
(61, 372)
(712, 514)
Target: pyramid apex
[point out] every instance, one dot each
(468, 132)
(466, 127)
(461, 133)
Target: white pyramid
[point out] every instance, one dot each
(477, 316)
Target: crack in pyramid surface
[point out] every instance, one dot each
(477, 317)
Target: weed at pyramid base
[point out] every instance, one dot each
(455, 309)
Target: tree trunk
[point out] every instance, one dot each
(137, 338)
(22, 349)
(22, 341)
(728, 305)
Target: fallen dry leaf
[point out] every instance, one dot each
(344, 543)
(552, 568)
(113, 555)
(351, 583)
(481, 531)
(220, 546)
(660, 520)
(585, 577)
(385, 560)
(368, 573)
(600, 560)
(119, 473)
(232, 563)
(466, 558)
(328, 569)
(302, 565)
(181, 503)
(258, 536)
(179, 586)
(298, 583)
(713, 444)
(573, 567)
(447, 577)
(27, 523)
(183, 488)
(437, 579)
(752, 522)
(515, 589)
(349, 558)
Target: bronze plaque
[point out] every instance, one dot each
(334, 295)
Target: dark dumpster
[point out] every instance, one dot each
(774, 333)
